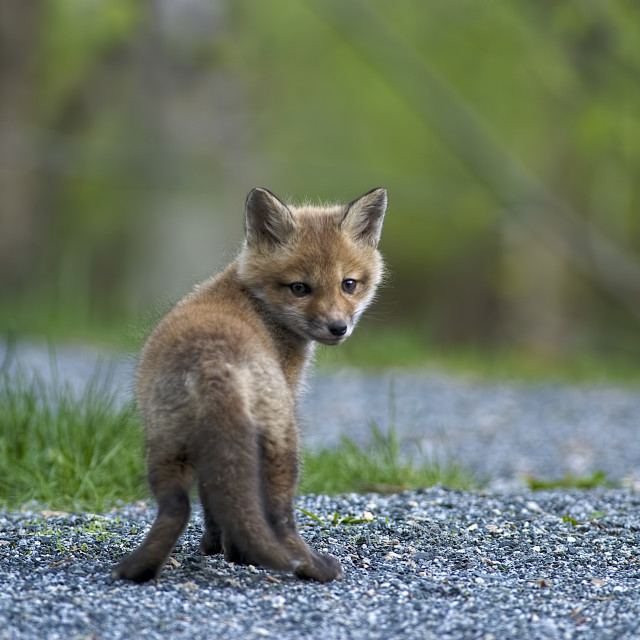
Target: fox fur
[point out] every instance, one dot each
(219, 377)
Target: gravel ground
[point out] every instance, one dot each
(425, 564)
(503, 563)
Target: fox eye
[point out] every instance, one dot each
(300, 289)
(349, 285)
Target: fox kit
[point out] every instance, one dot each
(218, 380)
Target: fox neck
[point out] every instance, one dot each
(294, 352)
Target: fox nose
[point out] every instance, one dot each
(338, 328)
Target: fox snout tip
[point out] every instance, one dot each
(338, 328)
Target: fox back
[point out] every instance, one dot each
(218, 380)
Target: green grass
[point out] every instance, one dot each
(592, 481)
(384, 347)
(375, 345)
(379, 467)
(66, 452)
(34, 319)
(86, 454)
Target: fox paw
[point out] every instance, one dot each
(233, 554)
(135, 569)
(210, 544)
(320, 567)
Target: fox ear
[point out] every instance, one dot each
(267, 219)
(363, 219)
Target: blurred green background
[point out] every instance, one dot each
(507, 133)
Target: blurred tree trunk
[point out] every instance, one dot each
(534, 287)
(20, 24)
(188, 112)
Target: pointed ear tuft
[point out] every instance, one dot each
(363, 219)
(267, 219)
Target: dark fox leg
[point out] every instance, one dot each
(228, 468)
(280, 469)
(211, 541)
(170, 483)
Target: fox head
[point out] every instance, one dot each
(315, 269)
